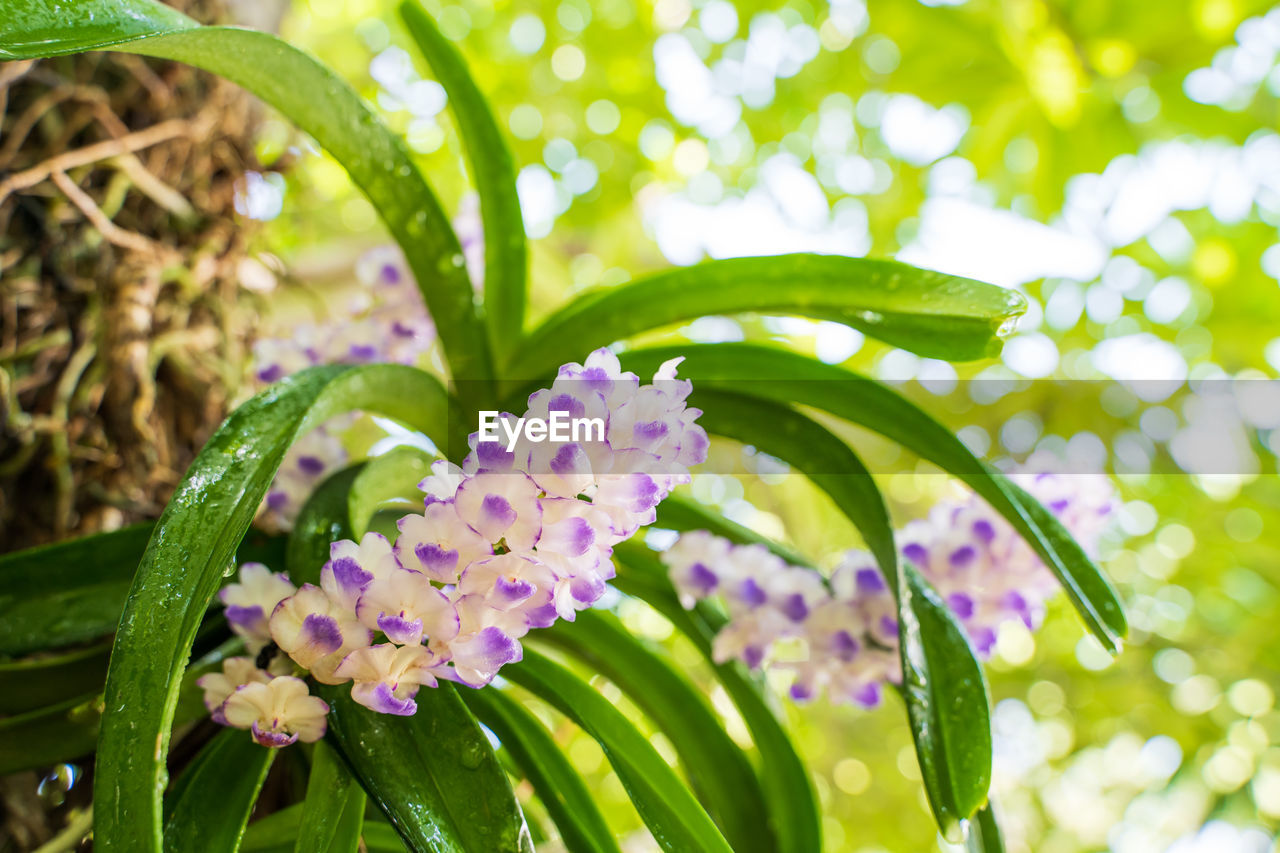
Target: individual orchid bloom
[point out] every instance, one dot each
(577, 532)
(387, 677)
(630, 500)
(488, 640)
(406, 607)
(218, 686)
(443, 481)
(278, 712)
(491, 454)
(569, 469)
(749, 637)
(316, 632)
(438, 543)
(251, 599)
(374, 554)
(501, 507)
(511, 581)
(699, 564)
(600, 373)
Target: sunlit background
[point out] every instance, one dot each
(1117, 162)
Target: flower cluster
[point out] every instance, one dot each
(518, 536)
(841, 633)
(384, 321)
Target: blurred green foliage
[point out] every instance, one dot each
(1049, 111)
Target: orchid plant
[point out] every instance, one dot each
(398, 654)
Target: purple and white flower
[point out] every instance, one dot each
(278, 712)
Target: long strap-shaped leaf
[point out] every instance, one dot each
(434, 775)
(562, 791)
(793, 808)
(315, 99)
(64, 594)
(193, 543)
(789, 377)
(943, 684)
(926, 312)
(276, 832)
(505, 258)
(667, 806)
(213, 798)
(718, 769)
(333, 811)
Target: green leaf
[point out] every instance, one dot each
(65, 594)
(49, 735)
(213, 798)
(49, 28)
(190, 549)
(505, 257)
(943, 685)
(582, 828)
(49, 679)
(718, 770)
(666, 805)
(276, 832)
(936, 315)
(393, 476)
(333, 811)
(947, 703)
(791, 378)
(434, 774)
(984, 832)
(316, 100)
(793, 809)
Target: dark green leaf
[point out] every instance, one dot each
(276, 832)
(49, 679)
(213, 798)
(64, 594)
(793, 809)
(718, 770)
(505, 257)
(557, 784)
(321, 521)
(333, 812)
(434, 774)
(947, 703)
(666, 805)
(191, 547)
(315, 99)
(50, 735)
(792, 378)
(926, 312)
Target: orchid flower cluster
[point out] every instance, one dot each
(384, 321)
(841, 633)
(519, 536)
